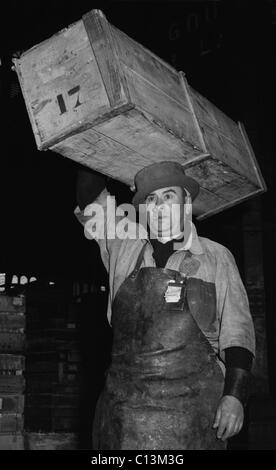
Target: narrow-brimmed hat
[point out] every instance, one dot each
(161, 175)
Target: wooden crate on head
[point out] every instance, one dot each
(12, 367)
(96, 96)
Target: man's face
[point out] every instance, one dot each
(165, 206)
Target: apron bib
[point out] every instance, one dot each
(163, 385)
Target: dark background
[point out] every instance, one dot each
(225, 49)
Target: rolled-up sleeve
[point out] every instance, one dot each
(236, 326)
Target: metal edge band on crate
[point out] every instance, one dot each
(255, 163)
(101, 39)
(185, 86)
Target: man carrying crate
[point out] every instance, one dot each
(183, 336)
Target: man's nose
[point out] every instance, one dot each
(159, 203)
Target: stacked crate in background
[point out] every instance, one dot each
(12, 365)
(52, 362)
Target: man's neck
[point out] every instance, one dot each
(161, 239)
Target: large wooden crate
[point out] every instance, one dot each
(98, 97)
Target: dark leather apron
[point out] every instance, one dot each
(163, 385)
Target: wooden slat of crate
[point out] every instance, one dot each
(104, 47)
(12, 362)
(11, 403)
(169, 114)
(11, 423)
(14, 441)
(140, 60)
(12, 384)
(223, 137)
(120, 161)
(224, 180)
(145, 137)
(12, 342)
(12, 304)
(151, 84)
(51, 441)
(49, 114)
(12, 321)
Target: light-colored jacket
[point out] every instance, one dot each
(233, 325)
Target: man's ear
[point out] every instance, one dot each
(185, 193)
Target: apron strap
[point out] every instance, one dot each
(139, 261)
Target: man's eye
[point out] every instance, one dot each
(150, 199)
(168, 196)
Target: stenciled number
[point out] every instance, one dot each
(61, 102)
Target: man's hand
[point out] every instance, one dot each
(229, 417)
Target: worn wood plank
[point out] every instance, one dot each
(10, 362)
(211, 115)
(12, 321)
(167, 112)
(12, 304)
(12, 441)
(148, 138)
(222, 148)
(62, 84)
(195, 121)
(240, 158)
(103, 44)
(104, 153)
(12, 384)
(11, 403)
(212, 174)
(11, 422)
(206, 200)
(139, 60)
(11, 341)
(108, 156)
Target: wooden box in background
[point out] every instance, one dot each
(98, 97)
(12, 367)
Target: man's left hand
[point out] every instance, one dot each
(229, 417)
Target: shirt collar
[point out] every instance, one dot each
(193, 243)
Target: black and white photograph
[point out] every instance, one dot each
(138, 226)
